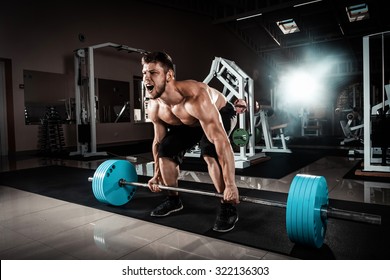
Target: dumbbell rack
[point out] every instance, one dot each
(51, 133)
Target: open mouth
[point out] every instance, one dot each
(149, 87)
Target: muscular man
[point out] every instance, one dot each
(185, 113)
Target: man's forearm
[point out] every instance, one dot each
(155, 157)
(226, 160)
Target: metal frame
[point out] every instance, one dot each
(371, 163)
(241, 86)
(267, 133)
(3, 114)
(86, 113)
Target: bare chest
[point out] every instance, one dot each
(176, 115)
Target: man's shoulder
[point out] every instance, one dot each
(187, 83)
(191, 87)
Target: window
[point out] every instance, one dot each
(357, 12)
(288, 26)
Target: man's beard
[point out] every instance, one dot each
(159, 92)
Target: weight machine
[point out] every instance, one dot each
(237, 84)
(349, 106)
(86, 99)
(262, 120)
(377, 114)
(352, 130)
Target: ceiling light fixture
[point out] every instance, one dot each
(276, 40)
(306, 3)
(341, 29)
(251, 16)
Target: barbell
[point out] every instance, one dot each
(307, 209)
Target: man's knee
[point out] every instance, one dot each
(169, 171)
(167, 163)
(211, 161)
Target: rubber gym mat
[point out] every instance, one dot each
(259, 226)
(366, 176)
(286, 163)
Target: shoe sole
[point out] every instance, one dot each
(168, 213)
(226, 230)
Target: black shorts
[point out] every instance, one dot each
(179, 139)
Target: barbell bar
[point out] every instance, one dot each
(307, 209)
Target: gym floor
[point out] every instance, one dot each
(38, 227)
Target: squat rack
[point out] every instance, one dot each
(371, 163)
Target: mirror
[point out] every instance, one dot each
(44, 91)
(114, 101)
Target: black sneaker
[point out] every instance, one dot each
(226, 219)
(170, 205)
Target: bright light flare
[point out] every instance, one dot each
(301, 87)
(305, 85)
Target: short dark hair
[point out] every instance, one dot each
(163, 58)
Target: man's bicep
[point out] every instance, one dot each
(211, 122)
(159, 131)
(213, 128)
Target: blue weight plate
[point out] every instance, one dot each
(293, 203)
(307, 195)
(307, 210)
(105, 183)
(320, 201)
(308, 222)
(294, 210)
(98, 181)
